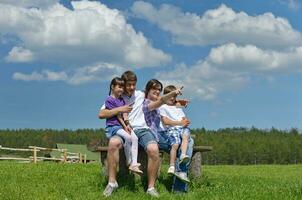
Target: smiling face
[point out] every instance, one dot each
(130, 87)
(117, 90)
(154, 93)
(153, 89)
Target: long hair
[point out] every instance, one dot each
(153, 83)
(116, 81)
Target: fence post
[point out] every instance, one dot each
(64, 156)
(35, 155)
(81, 158)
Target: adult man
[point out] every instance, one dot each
(146, 138)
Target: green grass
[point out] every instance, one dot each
(76, 181)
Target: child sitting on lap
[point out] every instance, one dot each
(175, 123)
(118, 125)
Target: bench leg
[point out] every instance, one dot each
(195, 167)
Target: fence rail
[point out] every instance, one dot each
(66, 157)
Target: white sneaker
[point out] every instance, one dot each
(171, 169)
(184, 159)
(152, 192)
(109, 189)
(182, 176)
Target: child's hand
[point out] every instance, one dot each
(128, 129)
(125, 109)
(178, 91)
(185, 122)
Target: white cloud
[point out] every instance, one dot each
(292, 4)
(231, 67)
(45, 75)
(219, 26)
(88, 34)
(203, 81)
(19, 54)
(96, 72)
(249, 58)
(30, 3)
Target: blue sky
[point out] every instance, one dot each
(239, 61)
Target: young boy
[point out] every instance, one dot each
(175, 123)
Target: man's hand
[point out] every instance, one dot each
(185, 122)
(125, 109)
(182, 102)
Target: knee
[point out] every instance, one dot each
(175, 146)
(114, 144)
(153, 151)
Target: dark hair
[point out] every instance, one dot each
(169, 89)
(129, 76)
(152, 84)
(116, 81)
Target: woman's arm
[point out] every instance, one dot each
(163, 99)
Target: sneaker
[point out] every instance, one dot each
(152, 192)
(182, 176)
(171, 169)
(135, 169)
(109, 189)
(184, 159)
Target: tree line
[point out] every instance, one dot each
(230, 145)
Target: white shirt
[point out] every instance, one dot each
(136, 116)
(172, 112)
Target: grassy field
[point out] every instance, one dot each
(76, 181)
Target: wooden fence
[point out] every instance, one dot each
(66, 157)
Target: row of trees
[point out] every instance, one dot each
(231, 145)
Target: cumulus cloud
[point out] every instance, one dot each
(203, 81)
(96, 72)
(30, 3)
(19, 54)
(45, 75)
(249, 58)
(87, 34)
(230, 67)
(219, 26)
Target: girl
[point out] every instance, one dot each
(119, 125)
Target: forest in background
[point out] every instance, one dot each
(230, 145)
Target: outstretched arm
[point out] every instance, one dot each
(163, 99)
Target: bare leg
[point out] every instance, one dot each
(153, 163)
(184, 143)
(173, 152)
(113, 158)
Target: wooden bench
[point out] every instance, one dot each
(195, 167)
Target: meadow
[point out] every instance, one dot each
(78, 181)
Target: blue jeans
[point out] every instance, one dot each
(177, 186)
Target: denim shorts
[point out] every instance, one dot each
(111, 130)
(145, 137)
